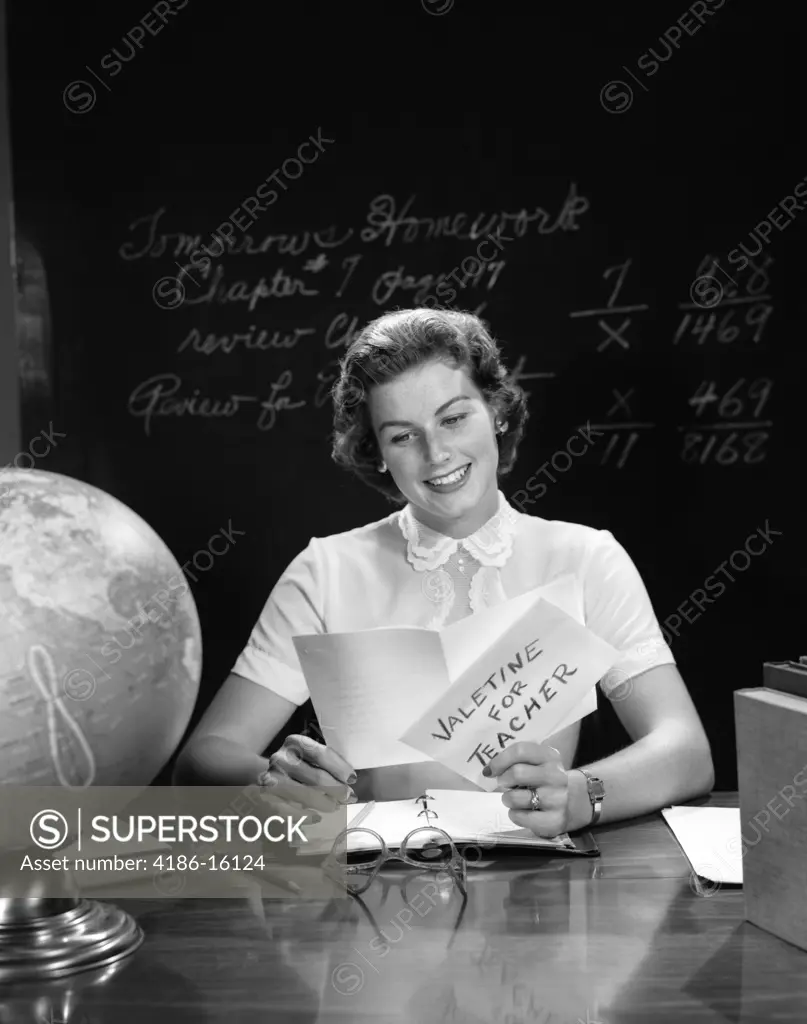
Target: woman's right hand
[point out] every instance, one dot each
(309, 773)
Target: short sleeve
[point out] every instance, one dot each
(294, 607)
(618, 609)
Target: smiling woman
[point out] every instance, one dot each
(426, 412)
(441, 421)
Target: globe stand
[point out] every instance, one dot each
(52, 937)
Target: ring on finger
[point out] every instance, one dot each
(535, 800)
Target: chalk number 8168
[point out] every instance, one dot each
(746, 448)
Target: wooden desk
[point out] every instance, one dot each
(621, 938)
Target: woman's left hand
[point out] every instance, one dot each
(536, 766)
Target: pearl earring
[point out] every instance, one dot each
(382, 468)
(501, 426)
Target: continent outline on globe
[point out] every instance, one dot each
(78, 568)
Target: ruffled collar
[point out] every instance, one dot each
(491, 544)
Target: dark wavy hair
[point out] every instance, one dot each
(393, 344)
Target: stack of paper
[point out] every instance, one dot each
(710, 838)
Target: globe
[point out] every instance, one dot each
(100, 644)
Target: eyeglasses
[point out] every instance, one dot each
(392, 881)
(426, 847)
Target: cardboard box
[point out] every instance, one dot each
(772, 778)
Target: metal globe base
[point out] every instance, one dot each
(49, 938)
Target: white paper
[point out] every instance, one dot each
(464, 814)
(368, 686)
(471, 816)
(710, 838)
(520, 690)
(365, 685)
(464, 642)
(467, 816)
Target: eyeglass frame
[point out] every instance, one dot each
(456, 863)
(401, 885)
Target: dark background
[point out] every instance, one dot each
(467, 111)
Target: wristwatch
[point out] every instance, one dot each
(596, 794)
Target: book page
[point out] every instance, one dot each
(392, 819)
(482, 818)
(466, 816)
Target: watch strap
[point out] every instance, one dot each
(596, 794)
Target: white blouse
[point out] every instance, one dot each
(399, 572)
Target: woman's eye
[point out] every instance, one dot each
(449, 420)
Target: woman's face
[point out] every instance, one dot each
(432, 423)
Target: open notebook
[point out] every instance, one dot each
(468, 816)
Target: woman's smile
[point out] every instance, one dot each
(436, 435)
(452, 481)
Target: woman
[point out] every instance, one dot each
(425, 413)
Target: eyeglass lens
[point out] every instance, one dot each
(427, 845)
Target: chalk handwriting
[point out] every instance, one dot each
(623, 268)
(613, 333)
(325, 379)
(275, 404)
(264, 341)
(383, 219)
(518, 373)
(733, 402)
(757, 283)
(351, 262)
(158, 396)
(147, 241)
(316, 263)
(391, 280)
(624, 427)
(279, 287)
(619, 445)
(723, 449)
(611, 306)
(730, 308)
(726, 331)
(340, 332)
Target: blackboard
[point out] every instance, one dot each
(614, 287)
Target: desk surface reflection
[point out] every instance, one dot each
(624, 937)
